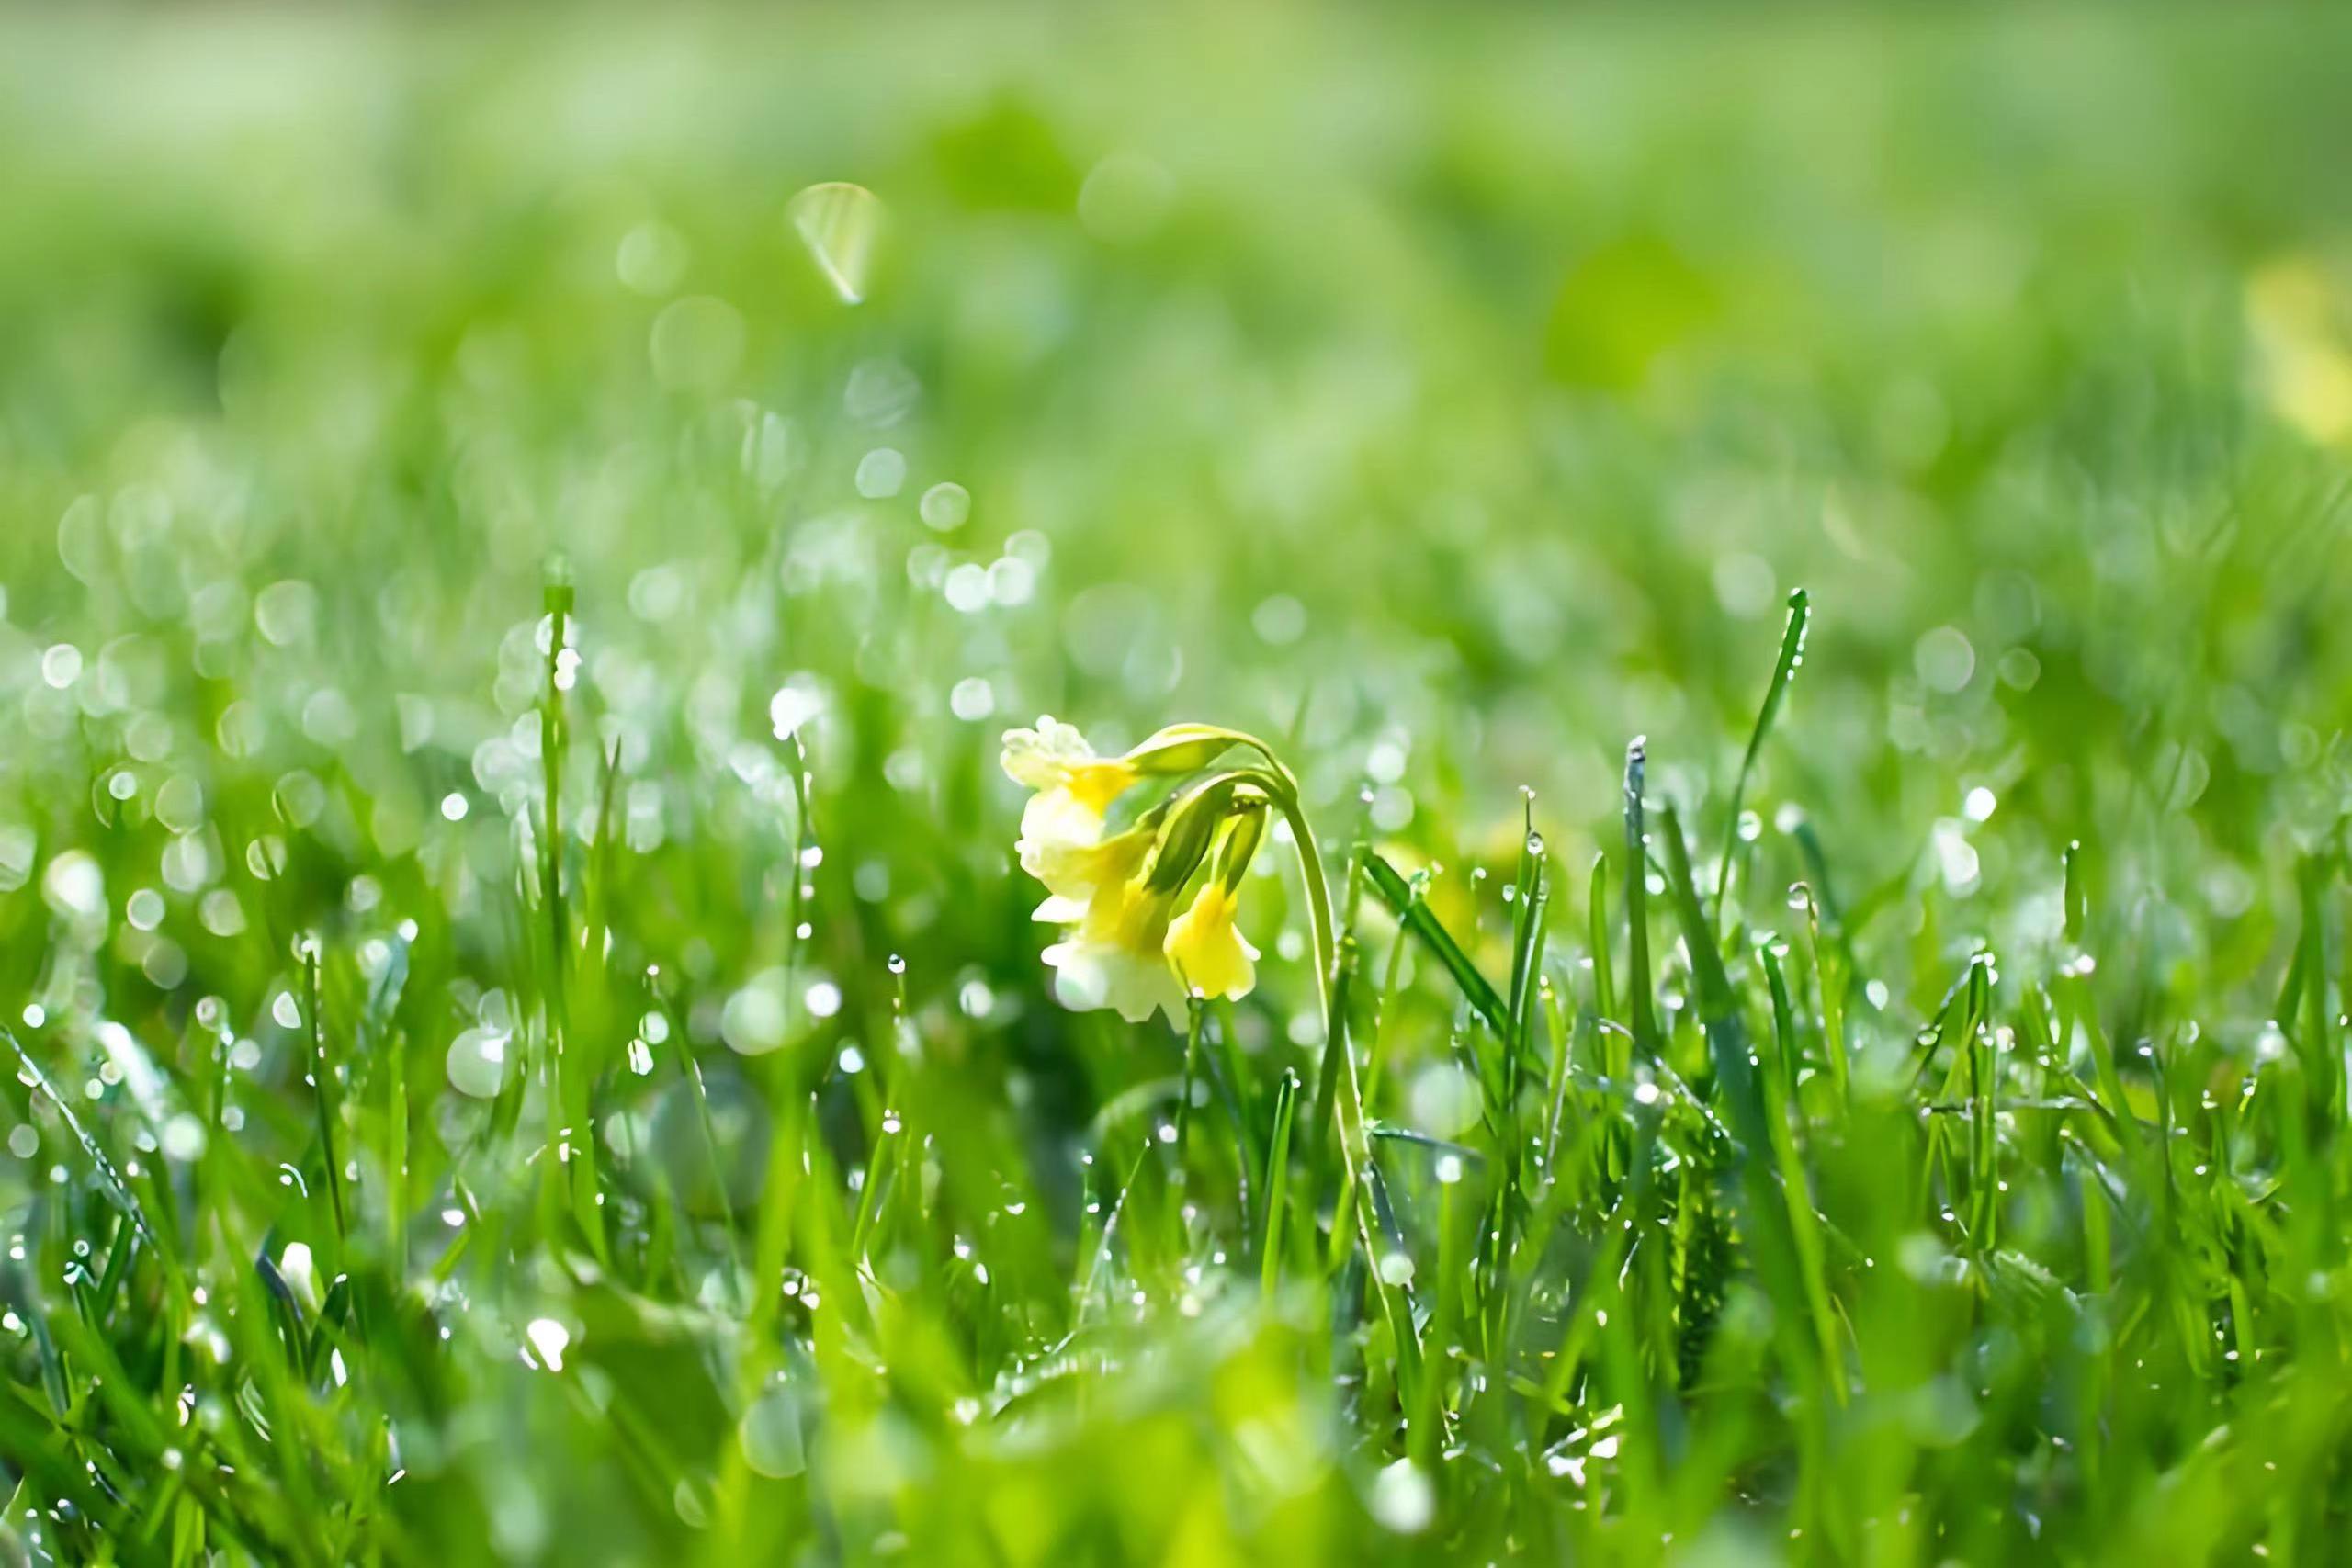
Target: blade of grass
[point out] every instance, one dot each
(1415, 918)
(1640, 982)
(1776, 1250)
(1270, 1247)
(1784, 670)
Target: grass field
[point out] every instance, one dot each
(1761, 606)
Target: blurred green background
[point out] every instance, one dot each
(1453, 395)
(1481, 386)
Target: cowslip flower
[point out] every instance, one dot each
(1205, 946)
(1114, 957)
(1114, 954)
(1074, 873)
(1074, 789)
(1125, 946)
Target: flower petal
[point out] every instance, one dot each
(1055, 819)
(1208, 949)
(1042, 758)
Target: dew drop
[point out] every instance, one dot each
(945, 507)
(770, 1433)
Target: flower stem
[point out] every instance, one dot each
(1194, 1010)
(1318, 907)
(1339, 1096)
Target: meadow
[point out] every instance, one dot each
(1746, 613)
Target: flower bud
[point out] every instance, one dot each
(1184, 840)
(1243, 832)
(1179, 749)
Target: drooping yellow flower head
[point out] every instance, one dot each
(1208, 949)
(1125, 947)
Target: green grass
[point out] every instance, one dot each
(533, 1044)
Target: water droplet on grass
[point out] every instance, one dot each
(770, 1433)
(550, 1339)
(478, 1062)
(972, 699)
(74, 886)
(1012, 581)
(881, 473)
(753, 1021)
(946, 506)
(1402, 1498)
(967, 588)
(182, 1138)
(1944, 660)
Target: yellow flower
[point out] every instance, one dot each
(1208, 949)
(1115, 895)
(1114, 956)
(1074, 789)
(1076, 872)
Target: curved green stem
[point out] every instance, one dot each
(1318, 905)
(1282, 787)
(1346, 1104)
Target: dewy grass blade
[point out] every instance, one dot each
(554, 740)
(1530, 896)
(1415, 918)
(1530, 892)
(1604, 984)
(1779, 1256)
(1784, 670)
(1392, 975)
(1641, 984)
(110, 1180)
(1830, 982)
(1271, 1232)
(1785, 1112)
(324, 1084)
